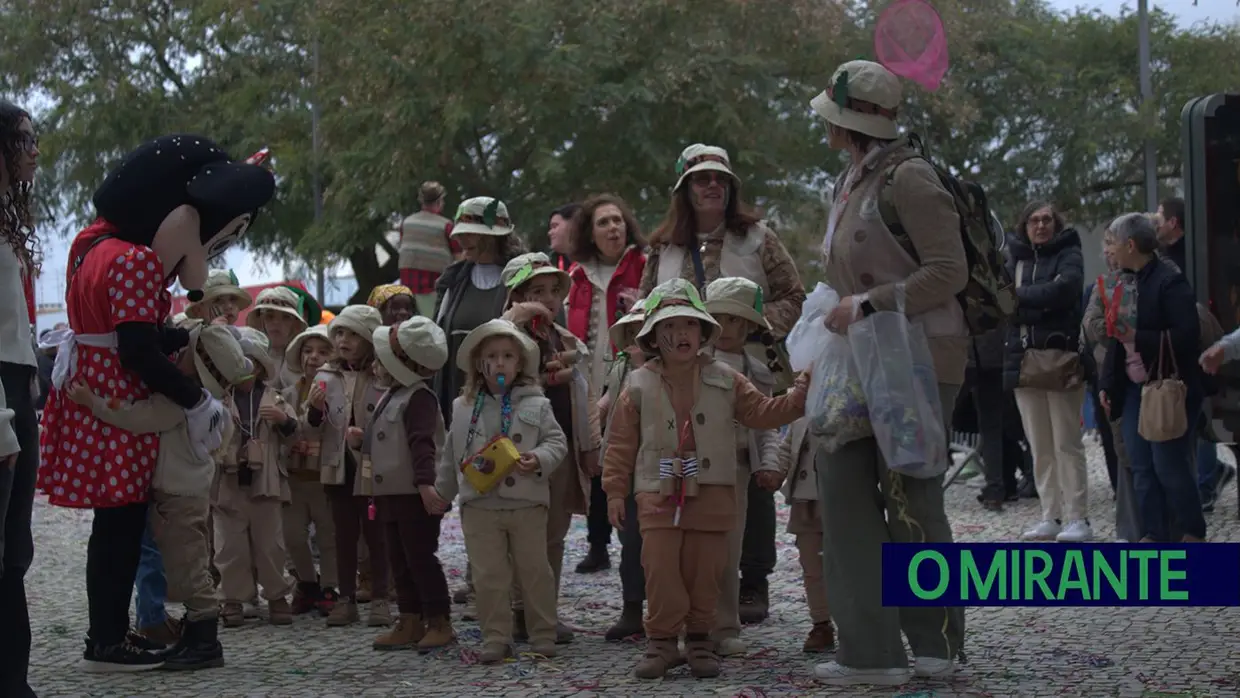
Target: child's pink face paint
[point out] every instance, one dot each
(679, 338)
(499, 361)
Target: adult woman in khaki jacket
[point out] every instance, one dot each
(866, 263)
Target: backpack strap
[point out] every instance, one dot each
(887, 205)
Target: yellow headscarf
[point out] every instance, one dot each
(386, 292)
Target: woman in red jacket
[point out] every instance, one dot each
(608, 265)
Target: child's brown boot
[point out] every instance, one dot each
(439, 633)
(305, 597)
(380, 615)
(363, 588)
(279, 612)
(232, 614)
(701, 657)
(406, 635)
(343, 613)
(494, 653)
(661, 657)
(821, 638)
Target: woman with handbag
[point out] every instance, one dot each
(1152, 383)
(1043, 366)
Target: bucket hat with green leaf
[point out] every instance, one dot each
(671, 299)
(624, 331)
(733, 295)
(482, 215)
(700, 157)
(524, 268)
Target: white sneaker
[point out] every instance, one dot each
(933, 667)
(1076, 532)
(253, 609)
(731, 647)
(1043, 531)
(836, 674)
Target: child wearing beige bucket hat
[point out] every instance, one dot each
(501, 452)
(536, 293)
(347, 396)
(306, 354)
(279, 313)
(181, 488)
(251, 488)
(736, 304)
(402, 441)
(684, 476)
(222, 297)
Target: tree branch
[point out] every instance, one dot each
(1112, 185)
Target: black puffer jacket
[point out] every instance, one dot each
(1048, 313)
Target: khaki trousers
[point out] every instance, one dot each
(682, 580)
(728, 611)
(809, 549)
(179, 526)
(559, 520)
(1052, 422)
(250, 536)
(502, 545)
(309, 505)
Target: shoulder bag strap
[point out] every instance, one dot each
(698, 270)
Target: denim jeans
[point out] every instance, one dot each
(151, 584)
(1208, 469)
(1162, 475)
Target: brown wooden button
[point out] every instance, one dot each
(701, 418)
(378, 479)
(379, 435)
(370, 408)
(510, 481)
(804, 474)
(705, 464)
(516, 438)
(859, 236)
(867, 280)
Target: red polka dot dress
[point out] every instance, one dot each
(87, 463)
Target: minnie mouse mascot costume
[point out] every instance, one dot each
(169, 207)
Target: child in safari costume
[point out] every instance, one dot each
(181, 487)
(672, 441)
(536, 293)
(222, 296)
(796, 460)
(736, 304)
(306, 354)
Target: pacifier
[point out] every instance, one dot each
(501, 380)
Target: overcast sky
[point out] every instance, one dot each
(254, 271)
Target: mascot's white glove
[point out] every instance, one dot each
(206, 425)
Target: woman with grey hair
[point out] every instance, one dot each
(1166, 319)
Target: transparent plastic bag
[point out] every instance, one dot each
(805, 341)
(897, 375)
(835, 405)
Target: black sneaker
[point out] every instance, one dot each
(123, 657)
(597, 560)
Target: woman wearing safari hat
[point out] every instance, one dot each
(222, 296)
(865, 262)
(709, 233)
(470, 292)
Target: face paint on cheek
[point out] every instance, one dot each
(666, 343)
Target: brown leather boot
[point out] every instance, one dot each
(821, 638)
(166, 633)
(662, 655)
(279, 612)
(439, 633)
(343, 613)
(363, 588)
(408, 632)
(232, 614)
(701, 657)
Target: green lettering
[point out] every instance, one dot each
(944, 575)
(1143, 558)
(971, 577)
(1015, 593)
(1073, 576)
(1035, 576)
(1102, 568)
(1166, 575)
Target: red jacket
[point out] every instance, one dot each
(581, 294)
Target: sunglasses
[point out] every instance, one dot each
(706, 178)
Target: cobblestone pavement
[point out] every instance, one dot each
(1013, 652)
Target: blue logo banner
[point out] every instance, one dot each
(1061, 574)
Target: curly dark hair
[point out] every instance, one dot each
(679, 226)
(16, 216)
(584, 249)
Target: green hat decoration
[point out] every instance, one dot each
(490, 213)
(309, 308)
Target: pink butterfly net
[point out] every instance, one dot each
(911, 42)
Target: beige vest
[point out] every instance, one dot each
(306, 453)
(390, 457)
(528, 406)
(349, 393)
(802, 481)
(423, 245)
(713, 422)
(264, 453)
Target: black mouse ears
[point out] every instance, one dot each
(171, 171)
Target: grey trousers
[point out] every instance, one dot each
(1127, 519)
(864, 506)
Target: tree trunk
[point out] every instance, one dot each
(369, 273)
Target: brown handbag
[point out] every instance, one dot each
(1056, 370)
(1164, 401)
